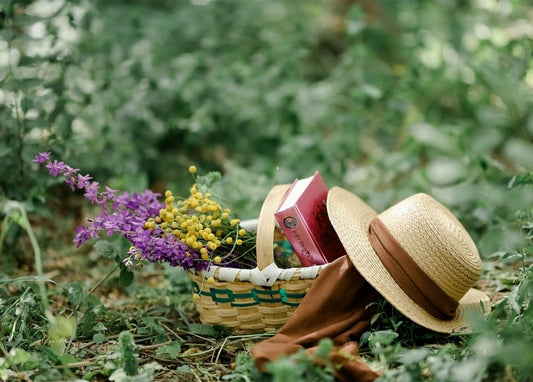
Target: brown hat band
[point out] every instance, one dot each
(408, 274)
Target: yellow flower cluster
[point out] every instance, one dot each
(199, 222)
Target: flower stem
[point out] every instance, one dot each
(104, 279)
(16, 211)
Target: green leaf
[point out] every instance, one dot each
(27, 279)
(205, 182)
(99, 338)
(202, 329)
(382, 337)
(4, 149)
(99, 327)
(14, 210)
(126, 277)
(324, 348)
(430, 135)
(169, 351)
(364, 338)
(414, 356)
(375, 317)
(7, 34)
(105, 248)
(49, 352)
(62, 327)
(66, 359)
(128, 354)
(19, 356)
(520, 180)
(186, 369)
(58, 346)
(77, 295)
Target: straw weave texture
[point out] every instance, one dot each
(258, 300)
(432, 236)
(246, 307)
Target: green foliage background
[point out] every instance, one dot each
(385, 98)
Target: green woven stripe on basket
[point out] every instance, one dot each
(272, 293)
(258, 296)
(294, 296)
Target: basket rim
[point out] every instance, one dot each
(266, 277)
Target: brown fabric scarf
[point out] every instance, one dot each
(334, 307)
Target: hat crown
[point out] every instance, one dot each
(436, 241)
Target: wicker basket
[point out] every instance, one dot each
(256, 300)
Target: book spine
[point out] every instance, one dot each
(293, 225)
(327, 240)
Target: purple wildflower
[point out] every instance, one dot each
(82, 235)
(91, 192)
(42, 157)
(83, 180)
(126, 214)
(55, 168)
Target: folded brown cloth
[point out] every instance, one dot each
(335, 308)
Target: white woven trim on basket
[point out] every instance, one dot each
(266, 277)
(311, 272)
(209, 272)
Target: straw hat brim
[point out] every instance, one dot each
(350, 217)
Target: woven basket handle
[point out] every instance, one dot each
(266, 226)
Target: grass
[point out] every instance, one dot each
(439, 103)
(73, 316)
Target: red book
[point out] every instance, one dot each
(303, 217)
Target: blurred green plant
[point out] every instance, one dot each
(499, 349)
(36, 46)
(383, 98)
(302, 366)
(386, 99)
(15, 214)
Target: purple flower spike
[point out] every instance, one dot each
(127, 215)
(123, 214)
(42, 157)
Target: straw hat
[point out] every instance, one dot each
(434, 244)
